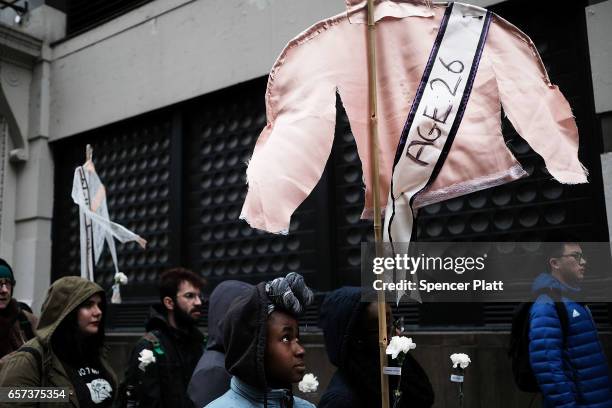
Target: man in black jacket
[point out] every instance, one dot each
(163, 361)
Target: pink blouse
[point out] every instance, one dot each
(330, 57)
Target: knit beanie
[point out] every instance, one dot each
(6, 272)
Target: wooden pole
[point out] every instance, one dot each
(374, 177)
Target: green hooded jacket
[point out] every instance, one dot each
(22, 369)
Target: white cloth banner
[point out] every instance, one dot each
(435, 115)
(89, 194)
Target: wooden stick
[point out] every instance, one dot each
(374, 173)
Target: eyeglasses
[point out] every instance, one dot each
(6, 283)
(190, 296)
(579, 257)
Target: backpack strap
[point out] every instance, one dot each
(556, 296)
(563, 319)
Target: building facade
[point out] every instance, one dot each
(170, 94)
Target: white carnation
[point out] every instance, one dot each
(400, 344)
(460, 359)
(146, 357)
(308, 384)
(121, 278)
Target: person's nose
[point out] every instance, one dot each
(97, 312)
(4, 289)
(299, 351)
(198, 301)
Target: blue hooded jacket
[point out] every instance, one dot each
(243, 395)
(571, 373)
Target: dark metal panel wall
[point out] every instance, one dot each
(83, 15)
(177, 178)
(133, 161)
(220, 137)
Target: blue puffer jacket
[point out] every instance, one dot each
(573, 374)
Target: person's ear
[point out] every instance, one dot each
(553, 263)
(168, 303)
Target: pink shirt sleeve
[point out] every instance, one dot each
(537, 109)
(291, 152)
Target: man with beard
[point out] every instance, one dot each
(16, 323)
(163, 361)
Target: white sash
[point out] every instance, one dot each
(435, 114)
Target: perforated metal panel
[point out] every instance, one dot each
(221, 134)
(83, 15)
(133, 162)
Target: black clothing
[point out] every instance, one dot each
(16, 327)
(210, 379)
(91, 384)
(163, 383)
(356, 383)
(245, 336)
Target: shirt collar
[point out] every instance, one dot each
(357, 10)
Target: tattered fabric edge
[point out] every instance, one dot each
(457, 190)
(306, 35)
(525, 38)
(259, 221)
(481, 183)
(280, 232)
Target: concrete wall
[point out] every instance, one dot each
(600, 49)
(27, 176)
(598, 18)
(170, 51)
(488, 380)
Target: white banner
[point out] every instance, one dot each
(436, 113)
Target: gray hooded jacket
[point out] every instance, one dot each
(210, 379)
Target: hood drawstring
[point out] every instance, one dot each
(288, 399)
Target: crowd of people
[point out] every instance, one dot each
(252, 356)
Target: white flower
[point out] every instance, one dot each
(460, 359)
(400, 344)
(121, 278)
(146, 357)
(308, 384)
